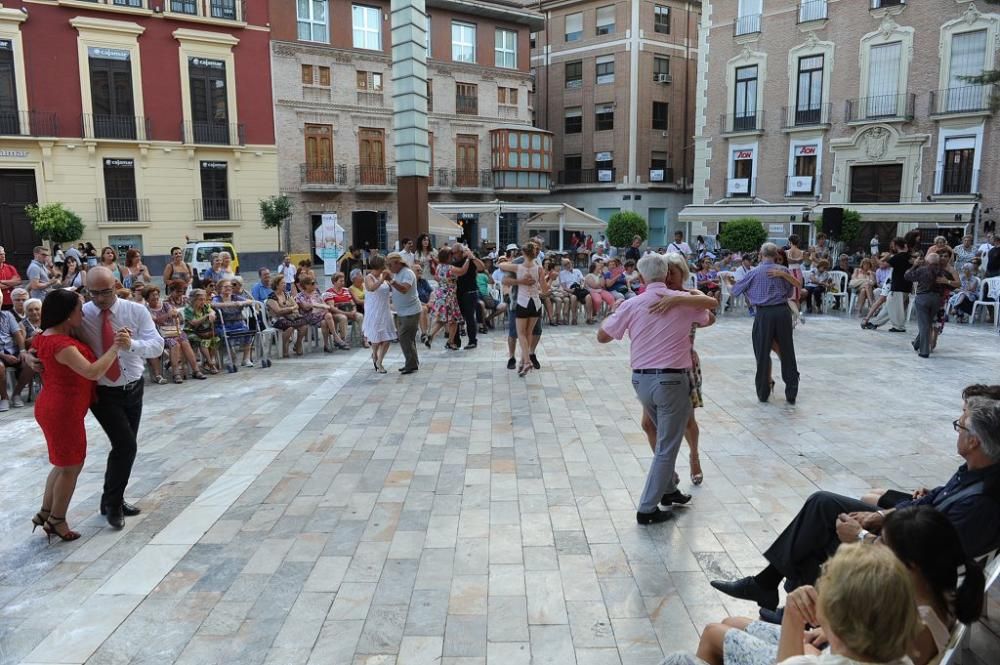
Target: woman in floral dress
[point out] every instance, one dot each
(444, 308)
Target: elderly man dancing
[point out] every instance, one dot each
(660, 356)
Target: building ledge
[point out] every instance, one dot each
(959, 115)
(226, 223)
(807, 128)
(124, 225)
(99, 7)
(749, 132)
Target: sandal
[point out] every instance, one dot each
(696, 474)
(178, 378)
(199, 376)
(212, 369)
(39, 519)
(51, 529)
(159, 380)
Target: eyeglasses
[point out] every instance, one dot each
(959, 427)
(103, 293)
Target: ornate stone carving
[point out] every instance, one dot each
(971, 14)
(282, 50)
(876, 142)
(887, 27)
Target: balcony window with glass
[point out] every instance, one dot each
(506, 49)
(574, 74)
(741, 182)
(881, 183)
(215, 191)
(968, 55)
(660, 112)
(604, 167)
(573, 121)
(957, 173)
(463, 42)
(427, 34)
(812, 10)
(658, 167)
(809, 96)
(184, 7)
(661, 69)
(369, 81)
(312, 21)
(574, 27)
(606, 20)
(604, 117)
(605, 69)
(661, 19)
(367, 25)
(111, 94)
(120, 203)
(745, 101)
(748, 19)
(224, 9)
(803, 179)
(467, 98)
(883, 80)
(10, 119)
(209, 102)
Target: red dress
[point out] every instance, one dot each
(63, 402)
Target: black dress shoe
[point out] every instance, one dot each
(772, 616)
(676, 497)
(748, 589)
(897, 329)
(115, 517)
(511, 363)
(654, 517)
(407, 371)
(128, 509)
(534, 361)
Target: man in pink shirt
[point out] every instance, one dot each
(660, 356)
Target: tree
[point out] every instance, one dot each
(55, 223)
(850, 230)
(274, 211)
(625, 225)
(743, 235)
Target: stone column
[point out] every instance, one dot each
(409, 117)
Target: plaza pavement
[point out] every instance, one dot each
(316, 512)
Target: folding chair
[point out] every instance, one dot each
(989, 293)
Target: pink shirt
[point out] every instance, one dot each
(658, 341)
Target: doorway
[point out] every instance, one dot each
(371, 146)
(876, 184)
(467, 161)
(368, 229)
(18, 237)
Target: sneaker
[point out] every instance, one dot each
(903, 330)
(471, 345)
(534, 361)
(4, 405)
(511, 363)
(248, 363)
(16, 401)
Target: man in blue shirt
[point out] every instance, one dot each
(768, 288)
(261, 291)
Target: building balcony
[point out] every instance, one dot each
(661, 176)
(213, 133)
(801, 185)
(466, 105)
(438, 179)
(747, 25)
(375, 178)
(539, 182)
(370, 100)
(28, 123)
(466, 179)
(880, 108)
(739, 123)
(122, 211)
(217, 210)
(958, 180)
(741, 187)
(807, 117)
(314, 178)
(587, 177)
(115, 127)
(507, 112)
(813, 10)
(966, 99)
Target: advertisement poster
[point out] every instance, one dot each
(329, 238)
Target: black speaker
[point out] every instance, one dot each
(833, 221)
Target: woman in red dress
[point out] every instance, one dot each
(71, 371)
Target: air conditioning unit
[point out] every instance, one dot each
(662, 78)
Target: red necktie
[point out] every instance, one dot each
(108, 339)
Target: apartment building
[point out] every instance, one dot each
(809, 104)
(151, 119)
(334, 103)
(615, 83)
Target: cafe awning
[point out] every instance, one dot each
(928, 212)
(566, 217)
(441, 226)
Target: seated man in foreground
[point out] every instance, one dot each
(970, 500)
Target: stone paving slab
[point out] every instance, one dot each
(316, 512)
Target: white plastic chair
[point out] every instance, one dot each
(840, 279)
(692, 281)
(724, 277)
(268, 333)
(990, 286)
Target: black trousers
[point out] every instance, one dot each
(773, 323)
(811, 538)
(469, 304)
(119, 412)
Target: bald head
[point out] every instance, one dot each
(933, 258)
(99, 278)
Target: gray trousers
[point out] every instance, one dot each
(773, 323)
(666, 398)
(408, 326)
(927, 306)
(897, 309)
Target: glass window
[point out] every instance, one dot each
(214, 191)
(219, 8)
(959, 159)
(506, 49)
(606, 20)
(748, 21)
(810, 91)
(604, 117)
(574, 27)
(883, 79)
(119, 190)
(427, 34)
(968, 55)
(660, 112)
(307, 74)
(184, 6)
(467, 98)
(661, 68)
(312, 20)
(574, 74)
(369, 81)
(367, 22)
(463, 42)
(573, 122)
(605, 69)
(209, 101)
(745, 101)
(324, 76)
(111, 94)
(661, 19)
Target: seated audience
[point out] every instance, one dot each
(961, 301)
(597, 294)
(170, 324)
(318, 313)
(285, 316)
(344, 307)
(18, 298)
(31, 324)
(357, 288)
(231, 323)
(199, 326)
(817, 285)
(708, 279)
(11, 345)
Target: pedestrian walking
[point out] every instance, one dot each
(406, 302)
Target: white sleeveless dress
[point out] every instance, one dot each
(378, 325)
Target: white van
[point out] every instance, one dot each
(198, 254)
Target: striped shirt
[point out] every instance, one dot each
(761, 289)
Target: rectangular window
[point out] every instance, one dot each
(658, 167)
(876, 184)
(661, 19)
(660, 112)
(883, 80)
(605, 69)
(184, 6)
(312, 20)
(225, 9)
(371, 155)
(809, 103)
(748, 20)
(661, 69)
(209, 101)
(119, 190)
(506, 49)
(214, 191)
(604, 117)
(968, 54)
(9, 117)
(467, 160)
(604, 166)
(463, 42)
(574, 74)
(531, 40)
(324, 76)
(307, 74)
(128, 3)
(369, 81)
(573, 120)
(574, 27)
(959, 159)
(741, 182)
(573, 162)
(111, 93)
(745, 101)
(507, 96)
(427, 34)
(606, 20)
(367, 24)
(430, 95)
(319, 154)
(467, 98)
(803, 179)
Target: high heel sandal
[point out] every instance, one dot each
(696, 478)
(51, 529)
(39, 519)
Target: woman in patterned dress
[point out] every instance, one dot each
(444, 308)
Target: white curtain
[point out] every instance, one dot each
(968, 53)
(883, 79)
(574, 23)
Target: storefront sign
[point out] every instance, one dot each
(775, 229)
(115, 163)
(805, 151)
(14, 154)
(109, 53)
(744, 154)
(217, 166)
(208, 64)
(5, 45)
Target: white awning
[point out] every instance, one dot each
(722, 212)
(566, 217)
(906, 213)
(441, 226)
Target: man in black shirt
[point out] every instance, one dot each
(993, 259)
(900, 263)
(633, 253)
(468, 291)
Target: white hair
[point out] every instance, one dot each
(677, 261)
(769, 249)
(32, 301)
(984, 423)
(652, 268)
(18, 291)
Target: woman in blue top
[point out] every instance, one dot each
(230, 310)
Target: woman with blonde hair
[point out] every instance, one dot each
(169, 323)
(135, 270)
(285, 316)
(531, 286)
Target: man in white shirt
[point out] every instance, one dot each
(288, 272)
(679, 246)
(571, 280)
(985, 248)
(119, 392)
(406, 253)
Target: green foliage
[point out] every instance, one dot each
(851, 229)
(55, 223)
(275, 210)
(625, 225)
(743, 235)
